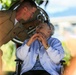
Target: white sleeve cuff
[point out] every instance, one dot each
(53, 54)
(22, 52)
(26, 46)
(49, 49)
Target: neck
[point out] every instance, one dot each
(18, 16)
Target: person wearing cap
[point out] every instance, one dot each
(42, 53)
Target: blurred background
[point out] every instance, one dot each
(62, 14)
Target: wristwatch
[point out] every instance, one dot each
(47, 47)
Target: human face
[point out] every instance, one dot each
(44, 30)
(29, 13)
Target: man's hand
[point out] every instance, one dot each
(32, 39)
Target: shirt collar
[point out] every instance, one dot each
(16, 21)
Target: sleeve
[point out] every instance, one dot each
(56, 51)
(22, 51)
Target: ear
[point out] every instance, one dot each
(25, 9)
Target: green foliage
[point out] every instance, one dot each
(7, 3)
(38, 1)
(67, 55)
(8, 57)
